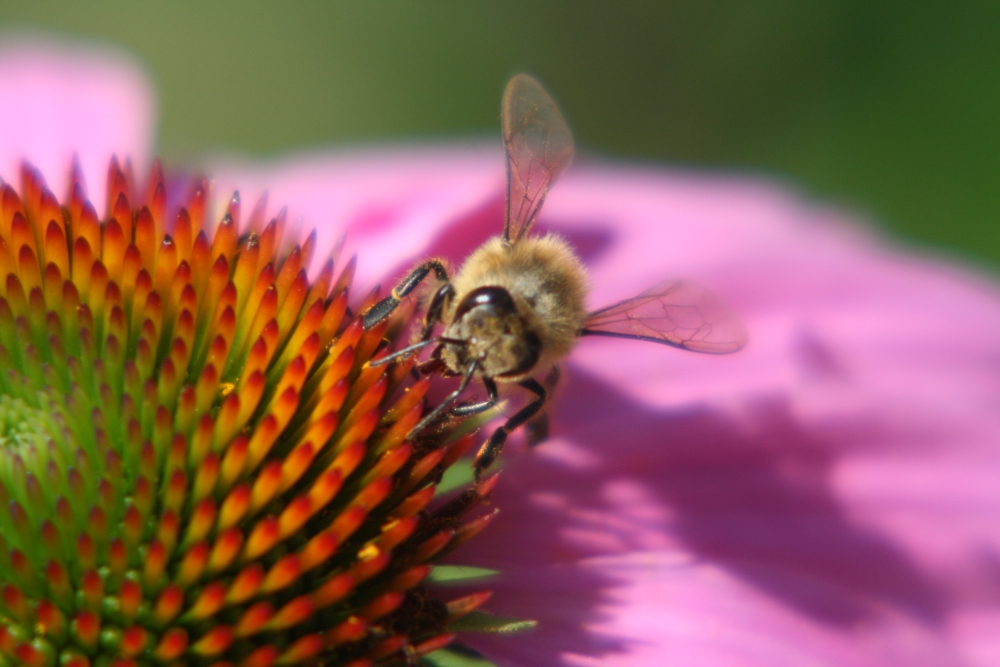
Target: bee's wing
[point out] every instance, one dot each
(539, 147)
(675, 313)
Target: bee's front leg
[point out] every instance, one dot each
(435, 308)
(386, 306)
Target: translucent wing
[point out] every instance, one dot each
(675, 313)
(539, 147)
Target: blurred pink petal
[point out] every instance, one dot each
(59, 100)
(390, 203)
(828, 496)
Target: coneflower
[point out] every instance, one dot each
(196, 464)
(827, 497)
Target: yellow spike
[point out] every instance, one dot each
(294, 516)
(227, 422)
(266, 486)
(246, 584)
(295, 464)
(205, 477)
(56, 249)
(325, 488)
(113, 249)
(234, 507)
(263, 536)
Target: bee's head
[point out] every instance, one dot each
(488, 319)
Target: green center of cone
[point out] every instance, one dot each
(24, 429)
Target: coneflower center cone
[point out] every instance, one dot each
(196, 464)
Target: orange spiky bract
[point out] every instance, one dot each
(196, 465)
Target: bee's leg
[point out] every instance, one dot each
(384, 308)
(448, 400)
(432, 317)
(434, 308)
(490, 450)
(475, 408)
(537, 430)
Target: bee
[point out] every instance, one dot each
(517, 304)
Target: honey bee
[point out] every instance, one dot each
(516, 305)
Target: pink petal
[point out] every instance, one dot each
(389, 203)
(59, 100)
(828, 496)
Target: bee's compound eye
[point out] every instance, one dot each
(495, 297)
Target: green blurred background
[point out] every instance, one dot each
(887, 107)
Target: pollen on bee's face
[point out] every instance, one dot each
(196, 463)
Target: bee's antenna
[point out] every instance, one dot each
(401, 353)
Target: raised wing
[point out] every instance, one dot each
(539, 147)
(675, 313)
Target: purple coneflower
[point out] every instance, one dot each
(828, 496)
